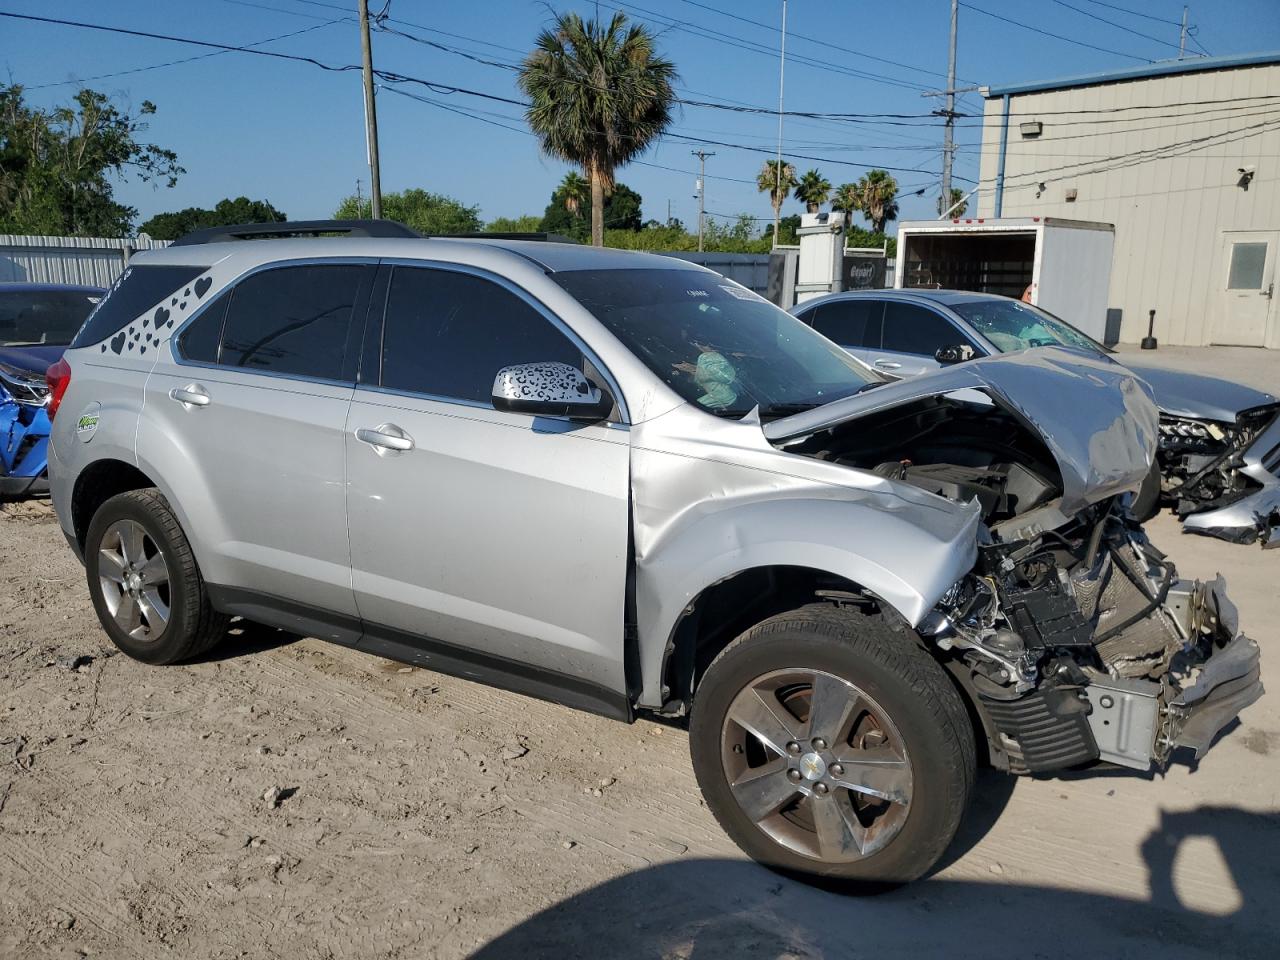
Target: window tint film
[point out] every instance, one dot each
(917, 330)
(448, 334)
(851, 323)
(293, 320)
(137, 289)
(43, 317)
(200, 340)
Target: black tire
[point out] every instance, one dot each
(193, 626)
(885, 663)
(1147, 503)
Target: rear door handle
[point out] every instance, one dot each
(386, 437)
(192, 395)
(888, 364)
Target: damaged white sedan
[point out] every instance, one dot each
(628, 485)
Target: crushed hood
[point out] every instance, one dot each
(34, 360)
(1097, 418)
(1197, 396)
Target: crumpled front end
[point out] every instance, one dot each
(1225, 478)
(24, 434)
(1086, 645)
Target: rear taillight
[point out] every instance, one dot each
(58, 377)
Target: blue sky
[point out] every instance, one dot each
(293, 133)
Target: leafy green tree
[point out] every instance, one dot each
(957, 197)
(812, 190)
(59, 167)
(846, 200)
(877, 198)
(787, 230)
(574, 192)
(777, 180)
(600, 95)
(529, 223)
(171, 226)
(429, 213)
(621, 212)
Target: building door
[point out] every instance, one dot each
(1248, 293)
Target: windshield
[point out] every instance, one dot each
(1012, 325)
(715, 342)
(38, 317)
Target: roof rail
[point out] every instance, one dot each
(505, 235)
(298, 228)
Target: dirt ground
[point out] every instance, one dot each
(416, 815)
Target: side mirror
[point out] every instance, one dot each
(957, 353)
(550, 390)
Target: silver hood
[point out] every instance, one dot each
(1199, 397)
(1097, 418)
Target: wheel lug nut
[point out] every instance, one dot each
(820, 788)
(793, 748)
(794, 776)
(819, 743)
(837, 770)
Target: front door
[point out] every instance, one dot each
(1248, 296)
(493, 542)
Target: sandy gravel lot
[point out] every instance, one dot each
(422, 816)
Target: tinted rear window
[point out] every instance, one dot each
(137, 289)
(31, 317)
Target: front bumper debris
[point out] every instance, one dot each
(1139, 723)
(1255, 518)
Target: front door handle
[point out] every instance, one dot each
(888, 364)
(386, 437)
(192, 395)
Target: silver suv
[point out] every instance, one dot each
(626, 484)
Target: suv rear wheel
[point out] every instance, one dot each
(827, 742)
(144, 582)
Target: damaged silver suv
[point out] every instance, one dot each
(625, 484)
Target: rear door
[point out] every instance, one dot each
(494, 542)
(853, 323)
(913, 334)
(244, 421)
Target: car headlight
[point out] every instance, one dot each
(1174, 428)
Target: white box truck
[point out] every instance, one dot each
(1066, 263)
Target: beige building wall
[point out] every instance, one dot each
(1168, 178)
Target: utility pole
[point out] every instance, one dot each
(782, 65)
(1182, 38)
(668, 211)
(702, 190)
(370, 113)
(948, 139)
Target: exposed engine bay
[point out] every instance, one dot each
(1077, 638)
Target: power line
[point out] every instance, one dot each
(1118, 26)
(174, 63)
(1135, 13)
(823, 43)
(1055, 36)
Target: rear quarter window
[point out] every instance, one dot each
(136, 290)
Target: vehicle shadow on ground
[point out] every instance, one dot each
(244, 638)
(722, 909)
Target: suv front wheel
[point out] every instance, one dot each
(144, 582)
(828, 742)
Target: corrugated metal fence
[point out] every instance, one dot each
(96, 261)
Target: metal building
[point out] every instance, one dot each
(1184, 158)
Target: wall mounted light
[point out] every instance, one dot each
(1032, 128)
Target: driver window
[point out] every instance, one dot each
(916, 330)
(447, 334)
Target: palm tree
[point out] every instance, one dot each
(573, 191)
(599, 97)
(813, 190)
(776, 178)
(877, 193)
(957, 197)
(845, 199)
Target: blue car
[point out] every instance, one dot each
(37, 321)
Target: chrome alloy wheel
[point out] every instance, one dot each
(134, 578)
(817, 765)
